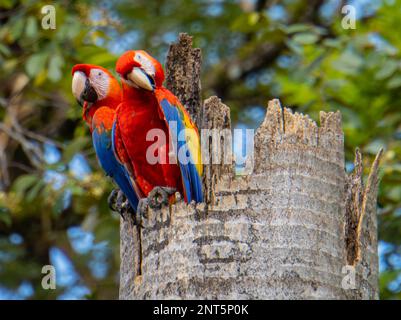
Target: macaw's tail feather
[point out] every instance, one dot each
(196, 183)
(190, 173)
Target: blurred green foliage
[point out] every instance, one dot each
(53, 205)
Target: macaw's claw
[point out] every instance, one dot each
(126, 209)
(121, 201)
(156, 198)
(159, 196)
(112, 200)
(141, 211)
(118, 202)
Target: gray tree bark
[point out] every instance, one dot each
(298, 227)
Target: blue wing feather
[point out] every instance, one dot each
(191, 179)
(103, 144)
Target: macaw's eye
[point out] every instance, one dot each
(97, 74)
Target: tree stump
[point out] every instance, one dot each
(297, 227)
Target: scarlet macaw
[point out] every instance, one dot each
(147, 105)
(100, 94)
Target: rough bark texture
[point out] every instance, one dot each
(361, 227)
(183, 69)
(216, 115)
(130, 254)
(286, 231)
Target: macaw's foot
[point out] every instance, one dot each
(112, 200)
(156, 198)
(125, 209)
(118, 202)
(121, 202)
(141, 211)
(159, 196)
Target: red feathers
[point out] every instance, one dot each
(138, 115)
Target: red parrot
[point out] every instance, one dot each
(100, 94)
(148, 113)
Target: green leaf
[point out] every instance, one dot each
(387, 69)
(349, 62)
(395, 193)
(35, 63)
(76, 190)
(394, 82)
(55, 64)
(5, 217)
(305, 38)
(332, 43)
(295, 47)
(4, 50)
(34, 192)
(17, 28)
(7, 4)
(246, 23)
(31, 28)
(103, 58)
(23, 183)
(253, 18)
(297, 27)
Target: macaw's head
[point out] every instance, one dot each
(140, 70)
(93, 87)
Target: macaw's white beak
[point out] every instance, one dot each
(141, 79)
(82, 88)
(78, 85)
